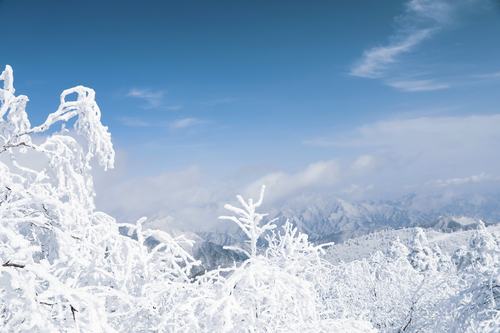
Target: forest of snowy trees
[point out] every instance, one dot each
(65, 267)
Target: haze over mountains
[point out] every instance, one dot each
(331, 219)
(336, 220)
(328, 218)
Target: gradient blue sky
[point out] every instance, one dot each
(254, 90)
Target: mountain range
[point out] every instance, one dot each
(337, 220)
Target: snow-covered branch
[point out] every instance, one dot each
(248, 220)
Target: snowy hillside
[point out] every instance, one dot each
(448, 232)
(364, 246)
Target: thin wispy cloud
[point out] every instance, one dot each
(177, 124)
(152, 98)
(418, 85)
(174, 107)
(488, 76)
(185, 123)
(375, 61)
(220, 101)
(421, 134)
(421, 20)
(134, 122)
(474, 179)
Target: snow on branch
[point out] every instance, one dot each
(87, 124)
(249, 220)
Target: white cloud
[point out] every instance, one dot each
(417, 85)
(152, 98)
(364, 162)
(426, 129)
(479, 178)
(220, 101)
(181, 123)
(190, 198)
(438, 11)
(379, 160)
(185, 196)
(488, 76)
(412, 152)
(314, 176)
(134, 122)
(174, 107)
(375, 61)
(421, 20)
(185, 123)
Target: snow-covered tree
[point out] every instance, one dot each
(387, 290)
(476, 306)
(421, 256)
(63, 265)
(276, 291)
(249, 221)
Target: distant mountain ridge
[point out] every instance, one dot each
(338, 220)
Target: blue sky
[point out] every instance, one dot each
(233, 93)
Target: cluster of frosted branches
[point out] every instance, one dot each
(249, 221)
(64, 266)
(417, 288)
(278, 290)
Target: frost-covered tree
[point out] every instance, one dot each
(47, 216)
(421, 256)
(291, 250)
(63, 265)
(276, 291)
(476, 306)
(249, 221)
(379, 289)
(390, 292)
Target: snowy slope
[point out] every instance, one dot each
(366, 245)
